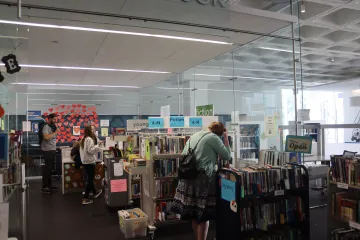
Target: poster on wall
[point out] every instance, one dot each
(26, 126)
(104, 132)
(76, 130)
(205, 110)
(34, 115)
(270, 126)
(303, 114)
(104, 123)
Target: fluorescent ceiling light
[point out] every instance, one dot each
(277, 49)
(245, 77)
(112, 31)
(204, 89)
(12, 37)
(77, 94)
(89, 69)
(74, 85)
(303, 9)
(65, 100)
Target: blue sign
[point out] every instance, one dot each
(156, 122)
(227, 190)
(195, 122)
(177, 122)
(34, 115)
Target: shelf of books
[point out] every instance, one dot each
(258, 202)
(162, 153)
(344, 198)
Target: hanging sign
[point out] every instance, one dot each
(11, 64)
(195, 122)
(227, 190)
(34, 115)
(136, 124)
(299, 144)
(177, 122)
(205, 110)
(156, 122)
(270, 126)
(303, 114)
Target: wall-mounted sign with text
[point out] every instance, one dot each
(137, 124)
(177, 122)
(299, 144)
(34, 115)
(205, 110)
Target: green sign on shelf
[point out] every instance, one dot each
(299, 144)
(205, 110)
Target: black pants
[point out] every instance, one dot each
(90, 186)
(49, 158)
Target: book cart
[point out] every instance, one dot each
(159, 183)
(343, 206)
(276, 207)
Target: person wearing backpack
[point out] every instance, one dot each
(47, 138)
(88, 152)
(195, 197)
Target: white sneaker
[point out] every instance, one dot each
(90, 194)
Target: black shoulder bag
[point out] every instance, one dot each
(188, 164)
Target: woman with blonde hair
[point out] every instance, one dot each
(196, 199)
(88, 153)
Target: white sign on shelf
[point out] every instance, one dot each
(279, 193)
(137, 124)
(119, 169)
(343, 185)
(104, 123)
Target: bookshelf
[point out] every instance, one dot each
(249, 141)
(343, 206)
(268, 209)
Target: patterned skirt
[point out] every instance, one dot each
(196, 199)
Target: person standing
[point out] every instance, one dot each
(48, 133)
(88, 153)
(196, 199)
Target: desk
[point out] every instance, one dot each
(73, 179)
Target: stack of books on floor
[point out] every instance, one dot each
(345, 206)
(264, 216)
(163, 212)
(346, 170)
(345, 234)
(166, 168)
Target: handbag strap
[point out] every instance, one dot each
(193, 149)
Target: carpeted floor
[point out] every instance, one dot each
(62, 217)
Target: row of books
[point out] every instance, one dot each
(165, 188)
(345, 234)
(263, 217)
(345, 206)
(346, 170)
(135, 190)
(257, 180)
(170, 144)
(163, 212)
(274, 158)
(286, 234)
(166, 168)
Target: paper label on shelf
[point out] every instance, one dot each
(233, 206)
(156, 122)
(287, 184)
(279, 192)
(354, 225)
(227, 190)
(119, 169)
(342, 185)
(177, 122)
(119, 185)
(195, 122)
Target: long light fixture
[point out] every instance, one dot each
(277, 49)
(112, 31)
(202, 89)
(76, 94)
(73, 85)
(245, 77)
(66, 100)
(90, 69)
(303, 9)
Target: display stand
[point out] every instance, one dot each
(342, 198)
(233, 221)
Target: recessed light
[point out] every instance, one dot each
(112, 31)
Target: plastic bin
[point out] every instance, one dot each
(134, 227)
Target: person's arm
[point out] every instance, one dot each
(90, 147)
(222, 150)
(47, 132)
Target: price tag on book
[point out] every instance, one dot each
(177, 122)
(156, 122)
(342, 185)
(195, 122)
(354, 225)
(279, 193)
